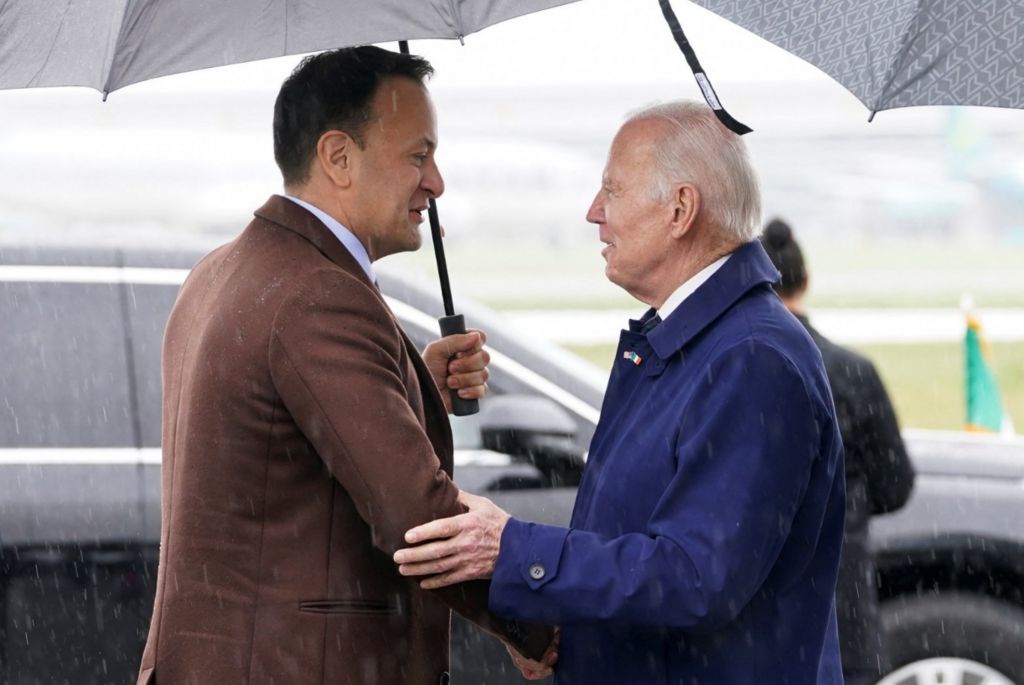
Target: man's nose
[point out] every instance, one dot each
(432, 181)
(595, 214)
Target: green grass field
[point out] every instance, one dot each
(533, 275)
(926, 382)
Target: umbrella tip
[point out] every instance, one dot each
(104, 96)
(872, 117)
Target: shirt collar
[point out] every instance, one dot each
(348, 238)
(690, 286)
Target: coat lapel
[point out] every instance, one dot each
(285, 213)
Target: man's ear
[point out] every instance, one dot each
(335, 155)
(685, 208)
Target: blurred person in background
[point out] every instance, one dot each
(879, 475)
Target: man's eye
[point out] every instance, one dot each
(420, 157)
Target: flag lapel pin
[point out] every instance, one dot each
(633, 357)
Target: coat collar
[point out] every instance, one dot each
(295, 218)
(747, 268)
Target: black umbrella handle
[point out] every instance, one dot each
(454, 325)
(706, 89)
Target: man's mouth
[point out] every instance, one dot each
(418, 213)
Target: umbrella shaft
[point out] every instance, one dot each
(442, 263)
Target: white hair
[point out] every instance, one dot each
(700, 150)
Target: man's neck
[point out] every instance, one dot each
(795, 305)
(688, 267)
(323, 201)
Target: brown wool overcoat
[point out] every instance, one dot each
(302, 436)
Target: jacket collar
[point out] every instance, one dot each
(747, 268)
(295, 218)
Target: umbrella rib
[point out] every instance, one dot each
(457, 16)
(117, 45)
(53, 45)
(879, 104)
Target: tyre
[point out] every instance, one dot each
(945, 670)
(963, 630)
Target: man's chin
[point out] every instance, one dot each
(415, 240)
(411, 245)
(614, 277)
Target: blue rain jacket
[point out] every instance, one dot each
(705, 540)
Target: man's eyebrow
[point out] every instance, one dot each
(428, 142)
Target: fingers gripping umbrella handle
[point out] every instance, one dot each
(451, 323)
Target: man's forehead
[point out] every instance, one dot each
(627, 153)
(402, 104)
(397, 92)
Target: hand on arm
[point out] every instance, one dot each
(459, 362)
(457, 549)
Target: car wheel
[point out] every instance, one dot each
(932, 638)
(944, 672)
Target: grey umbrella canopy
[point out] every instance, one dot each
(899, 53)
(109, 44)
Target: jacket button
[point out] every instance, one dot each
(537, 571)
(444, 679)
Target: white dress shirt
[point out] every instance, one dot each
(689, 286)
(347, 237)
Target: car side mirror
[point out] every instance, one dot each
(536, 430)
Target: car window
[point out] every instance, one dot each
(63, 383)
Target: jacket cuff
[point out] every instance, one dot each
(528, 560)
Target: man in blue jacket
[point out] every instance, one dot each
(705, 540)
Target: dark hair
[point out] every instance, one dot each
(333, 91)
(787, 257)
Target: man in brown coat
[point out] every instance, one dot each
(302, 432)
